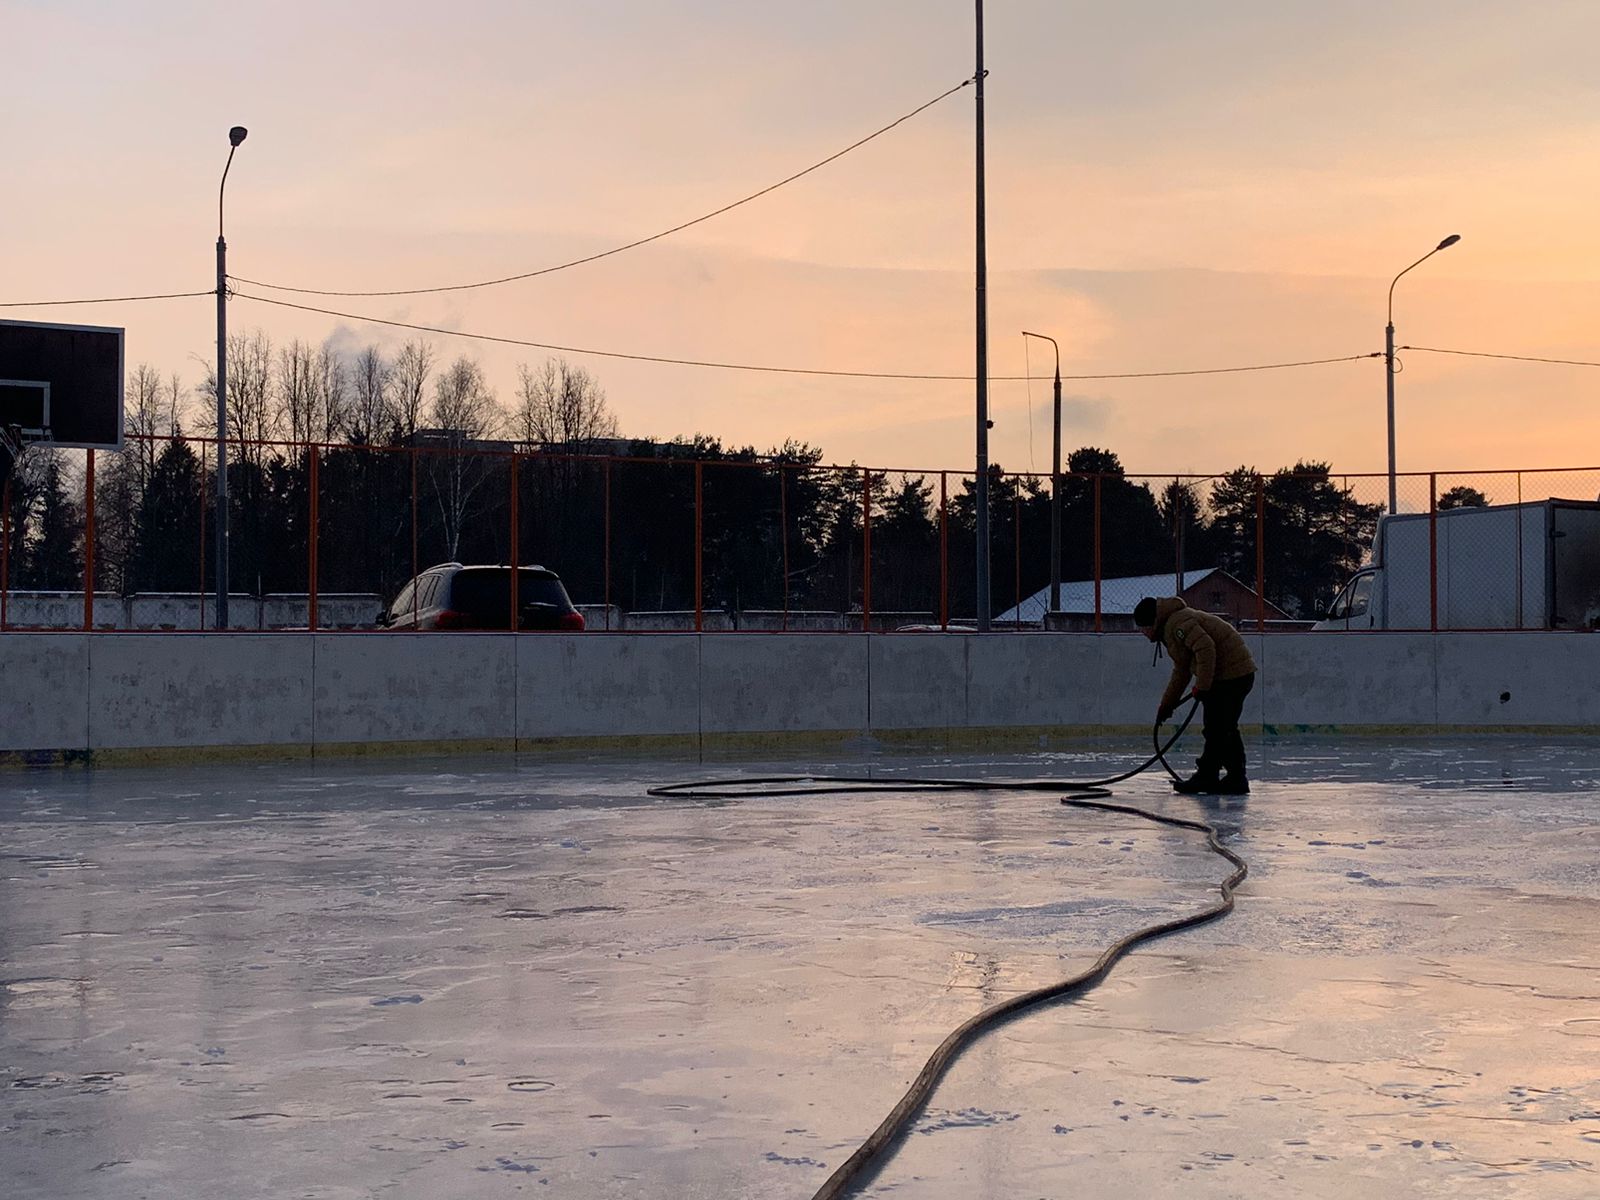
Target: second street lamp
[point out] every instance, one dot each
(1388, 355)
(235, 135)
(1055, 482)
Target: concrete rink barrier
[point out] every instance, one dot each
(68, 696)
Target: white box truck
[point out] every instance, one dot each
(1534, 565)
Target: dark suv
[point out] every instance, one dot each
(451, 596)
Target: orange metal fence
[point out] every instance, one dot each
(738, 542)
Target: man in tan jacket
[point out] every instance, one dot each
(1206, 647)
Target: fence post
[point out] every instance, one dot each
(516, 576)
(1433, 551)
(944, 552)
(783, 538)
(1179, 500)
(699, 531)
(606, 508)
(311, 539)
(1016, 546)
(5, 549)
(866, 550)
(1519, 550)
(204, 491)
(1261, 554)
(88, 543)
(414, 560)
(1097, 554)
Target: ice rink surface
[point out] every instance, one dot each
(495, 977)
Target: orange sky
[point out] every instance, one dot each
(1170, 186)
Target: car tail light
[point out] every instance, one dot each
(450, 619)
(572, 622)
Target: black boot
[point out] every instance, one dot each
(1201, 783)
(1234, 785)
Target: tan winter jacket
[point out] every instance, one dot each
(1199, 644)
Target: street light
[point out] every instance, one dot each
(1055, 483)
(1388, 354)
(235, 135)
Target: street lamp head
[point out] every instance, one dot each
(236, 135)
(1449, 241)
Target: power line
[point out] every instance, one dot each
(1564, 362)
(577, 262)
(102, 299)
(727, 366)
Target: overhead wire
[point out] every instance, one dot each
(760, 367)
(1564, 362)
(104, 299)
(654, 237)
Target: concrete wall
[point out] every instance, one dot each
(65, 694)
(183, 610)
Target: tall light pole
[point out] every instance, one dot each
(982, 272)
(235, 135)
(1055, 482)
(1388, 355)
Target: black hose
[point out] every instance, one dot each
(870, 1156)
(875, 1151)
(753, 787)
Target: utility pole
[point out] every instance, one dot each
(235, 136)
(982, 482)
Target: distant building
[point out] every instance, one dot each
(1209, 589)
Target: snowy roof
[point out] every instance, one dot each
(1117, 596)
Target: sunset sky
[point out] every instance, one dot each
(1171, 185)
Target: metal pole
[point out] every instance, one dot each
(1055, 499)
(1261, 553)
(5, 547)
(200, 589)
(1016, 554)
(1519, 549)
(607, 595)
(1055, 480)
(1433, 551)
(982, 272)
(866, 550)
(1097, 553)
(1388, 355)
(88, 544)
(221, 552)
(312, 487)
(783, 537)
(944, 552)
(1388, 373)
(235, 136)
(516, 575)
(414, 559)
(699, 527)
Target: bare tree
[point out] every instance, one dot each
(141, 421)
(293, 385)
(253, 413)
(413, 367)
(178, 401)
(463, 413)
(330, 394)
(371, 399)
(559, 404)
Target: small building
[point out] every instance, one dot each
(1209, 589)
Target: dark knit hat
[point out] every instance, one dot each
(1144, 613)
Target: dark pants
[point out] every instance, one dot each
(1224, 749)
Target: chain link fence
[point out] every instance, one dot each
(324, 537)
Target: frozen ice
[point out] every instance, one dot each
(468, 977)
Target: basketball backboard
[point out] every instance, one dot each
(61, 384)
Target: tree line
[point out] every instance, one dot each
(409, 456)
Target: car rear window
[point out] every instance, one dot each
(486, 591)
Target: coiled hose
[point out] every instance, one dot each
(876, 1150)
